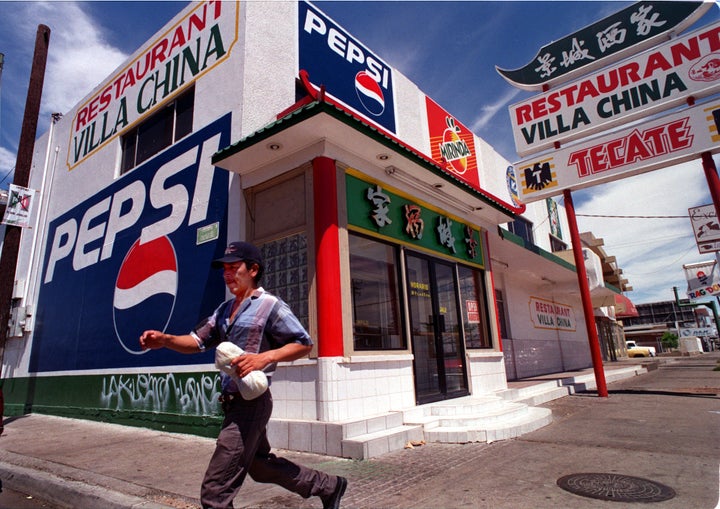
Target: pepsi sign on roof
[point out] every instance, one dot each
(348, 70)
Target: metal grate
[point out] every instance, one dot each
(619, 488)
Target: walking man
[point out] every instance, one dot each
(267, 330)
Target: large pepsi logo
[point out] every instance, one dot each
(369, 93)
(131, 258)
(347, 69)
(148, 279)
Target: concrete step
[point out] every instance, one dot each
(381, 442)
(514, 425)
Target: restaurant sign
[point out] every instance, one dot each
(626, 32)
(643, 85)
(546, 314)
(668, 140)
(386, 212)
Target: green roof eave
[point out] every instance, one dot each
(318, 107)
(516, 239)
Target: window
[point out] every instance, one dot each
(474, 310)
(523, 229)
(377, 324)
(557, 245)
(500, 304)
(159, 131)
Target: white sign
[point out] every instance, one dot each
(19, 206)
(193, 46)
(646, 84)
(706, 227)
(665, 141)
(703, 279)
(545, 314)
(686, 332)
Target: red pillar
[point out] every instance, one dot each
(712, 179)
(586, 299)
(327, 258)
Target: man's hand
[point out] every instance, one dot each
(248, 362)
(152, 340)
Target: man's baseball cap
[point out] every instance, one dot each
(239, 252)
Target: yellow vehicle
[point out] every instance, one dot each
(639, 351)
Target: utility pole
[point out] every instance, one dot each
(26, 146)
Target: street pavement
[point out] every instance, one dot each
(661, 427)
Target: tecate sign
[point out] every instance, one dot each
(127, 259)
(668, 140)
(646, 84)
(348, 70)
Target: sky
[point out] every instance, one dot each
(448, 49)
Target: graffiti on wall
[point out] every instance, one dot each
(162, 393)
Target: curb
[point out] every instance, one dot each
(72, 493)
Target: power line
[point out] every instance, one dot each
(633, 217)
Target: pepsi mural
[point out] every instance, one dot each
(131, 257)
(346, 68)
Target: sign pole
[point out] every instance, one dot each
(713, 180)
(585, 295)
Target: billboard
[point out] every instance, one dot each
(628, 31)
(664, 141)
(346, 69)
(199, 41)
(706, 228)
(135, 256)
(452, 145)
(645, 84)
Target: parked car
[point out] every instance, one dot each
(634, 350)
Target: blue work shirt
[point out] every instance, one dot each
(263, 322)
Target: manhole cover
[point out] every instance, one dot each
(620, 488)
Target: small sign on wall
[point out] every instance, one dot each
(545, 314)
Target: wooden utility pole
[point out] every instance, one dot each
(26, 146)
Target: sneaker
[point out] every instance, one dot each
(333, 501)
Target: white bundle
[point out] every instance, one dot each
(251, 385)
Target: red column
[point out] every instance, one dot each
(586, 299)
(712, 179)
(327, 258)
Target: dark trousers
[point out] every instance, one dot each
(242, 448)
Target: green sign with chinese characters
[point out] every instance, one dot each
(386, 212)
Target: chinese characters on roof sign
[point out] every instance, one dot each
(628, 31)
(648, 83)
(378, 211)
(665, 141)
(193, 46)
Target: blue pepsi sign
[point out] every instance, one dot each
(130, 258)
(347, 69)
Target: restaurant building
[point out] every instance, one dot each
(388, 227)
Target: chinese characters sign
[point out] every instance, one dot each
(628, 31)
(376, 210)
(649, 83)
(546, 314)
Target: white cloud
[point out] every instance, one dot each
(650, 251)
(78, 56)
(488, 111)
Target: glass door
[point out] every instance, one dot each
(435, 329)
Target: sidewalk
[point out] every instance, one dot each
(638, 430)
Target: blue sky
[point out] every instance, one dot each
(449, 49)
